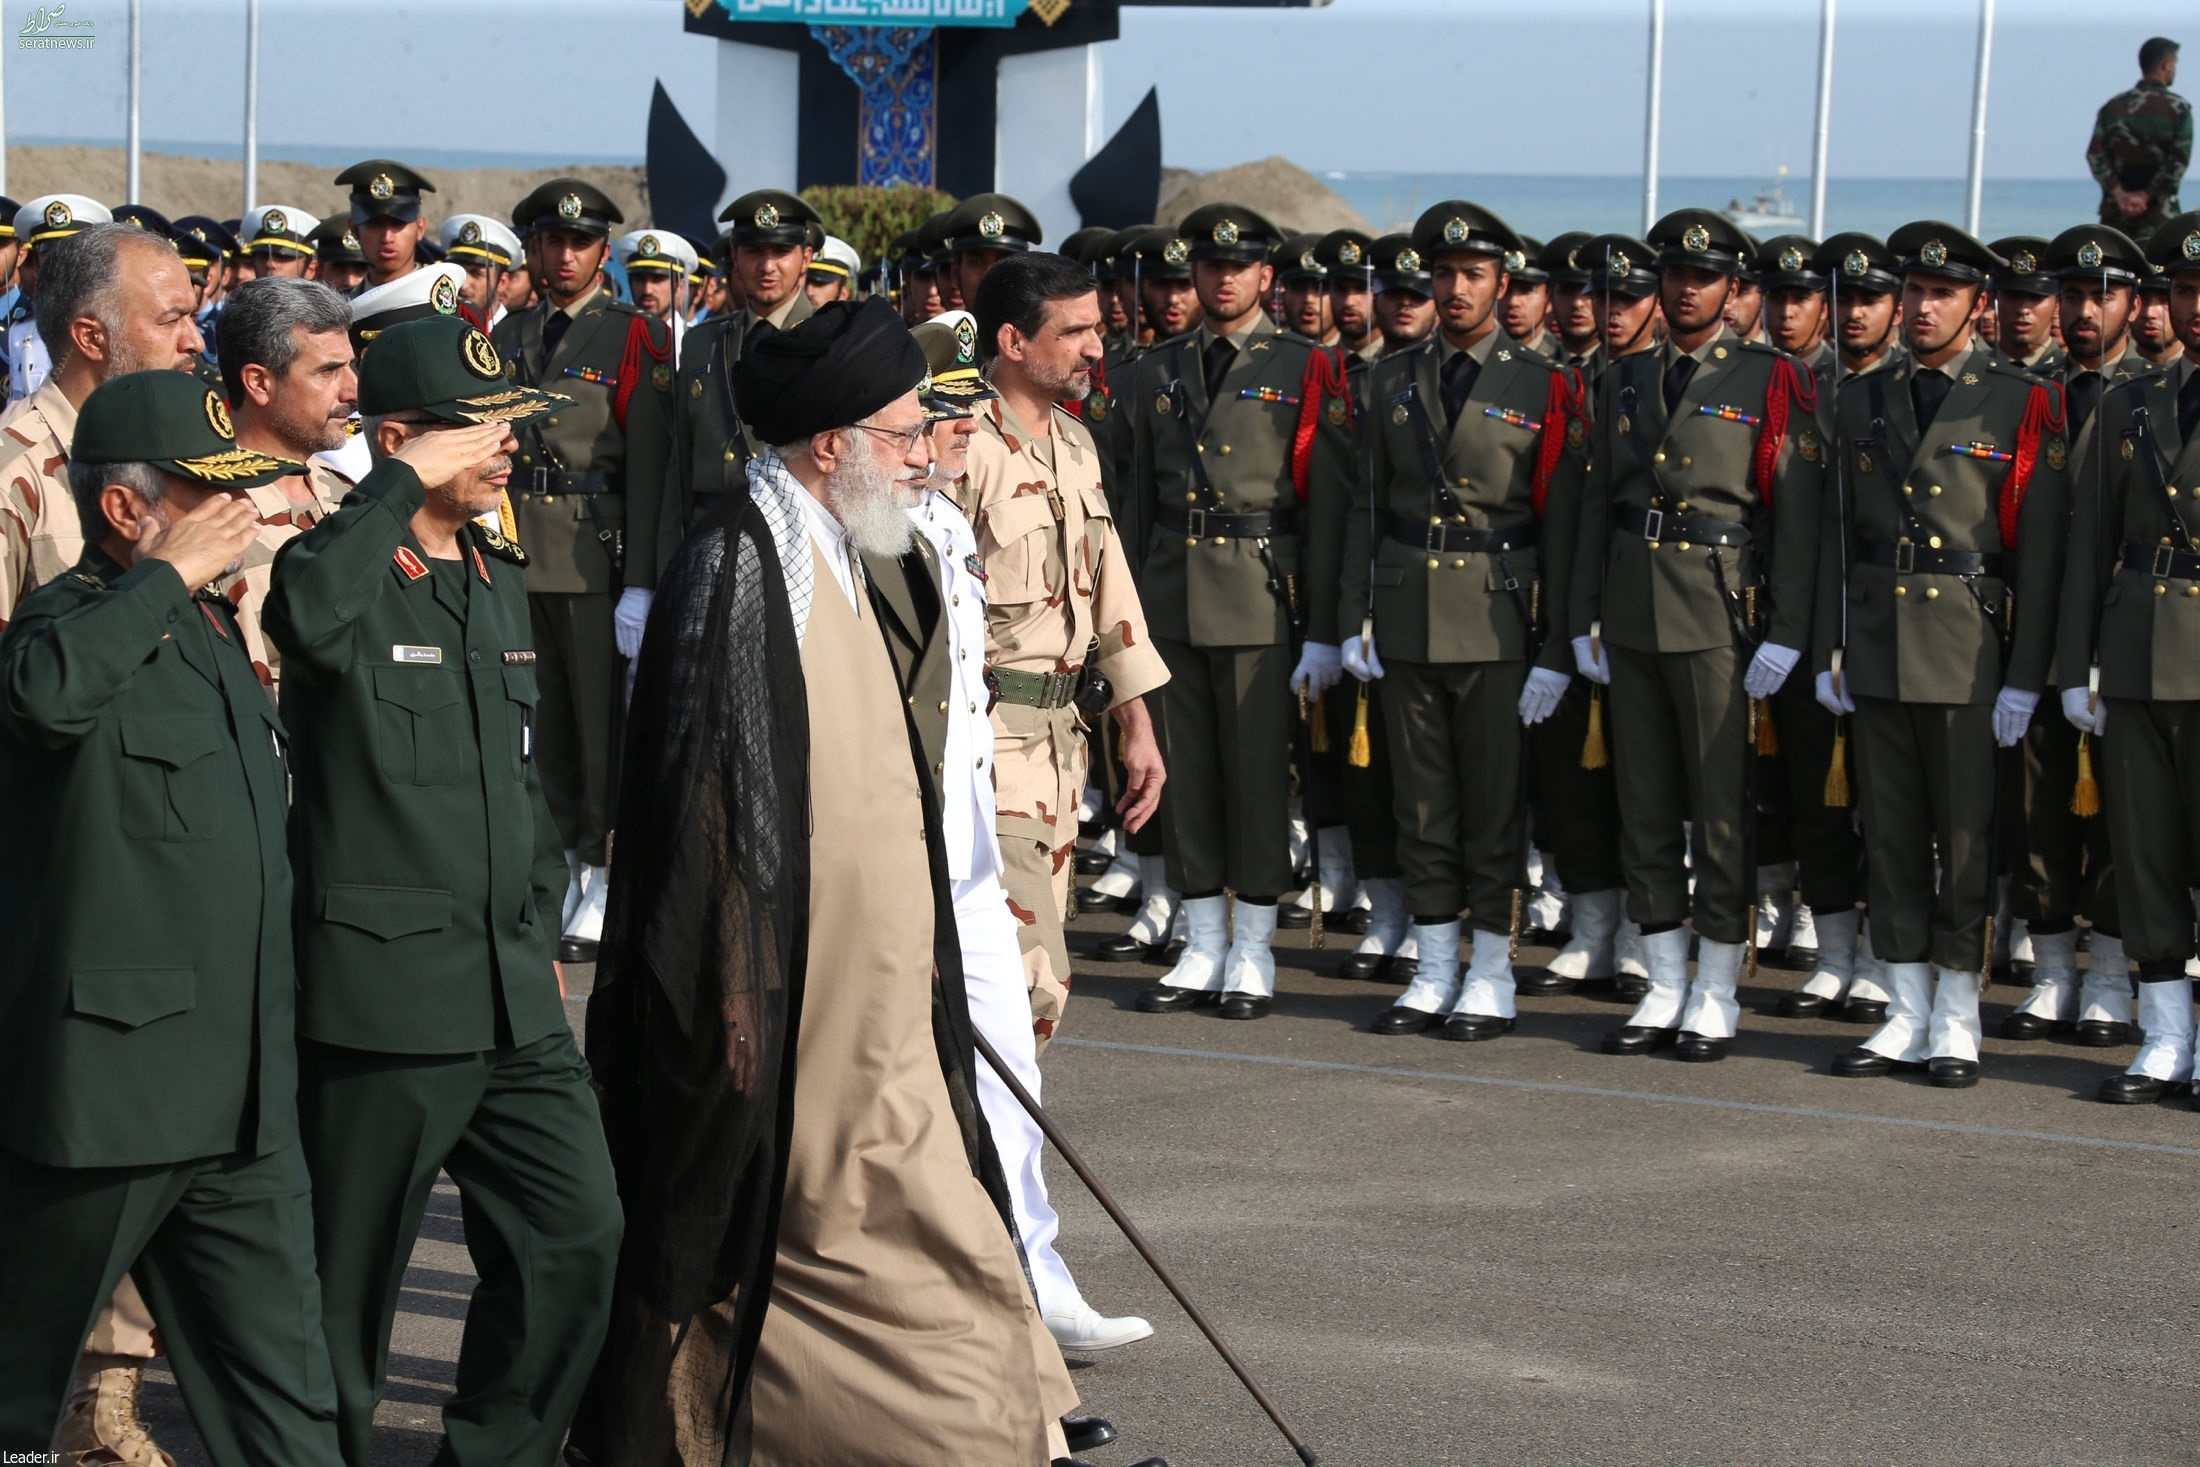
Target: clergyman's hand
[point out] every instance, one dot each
(206, 543)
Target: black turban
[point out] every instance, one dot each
(833, 370)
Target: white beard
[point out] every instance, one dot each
(867, 498)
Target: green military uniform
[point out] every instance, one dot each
(430, 878)
(1217, 492)
(1685, 499)
(2023, 273)
(2131, 621)
(2142, 140)
(1939, 521)
(141, 761)
(587, 496)
(1458, 544)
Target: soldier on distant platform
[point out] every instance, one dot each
(2142, 143)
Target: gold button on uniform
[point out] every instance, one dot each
(943, 705)
(1902, 590)
(1933, 492)
(1659, 457)
(729, 455)
(1687, 462)
(1432, 565)
(2160, 589)
(1225, 450)
(1458, 565)
(1933, 540)
(1932, 593)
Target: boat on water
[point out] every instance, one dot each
(1771, 212)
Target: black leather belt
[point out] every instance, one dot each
(1908, 558)
(2163, 562)
(1203, 524)
(543, 483)
(1659, 526)
(1461, 539)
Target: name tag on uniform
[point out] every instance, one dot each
(399, 652)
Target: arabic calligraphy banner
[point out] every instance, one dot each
(924, 13)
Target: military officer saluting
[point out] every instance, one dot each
(1706, 468)
(432, 1033)
(140, 755)
(1957, 489)
(1474, 439)
(587, 493)
(1235, 428)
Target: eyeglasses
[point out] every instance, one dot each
(907, 438)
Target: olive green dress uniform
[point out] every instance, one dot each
(579, 475)
(710, 446)
(132, 721)
(429, 880)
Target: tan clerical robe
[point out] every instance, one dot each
(901, 1332)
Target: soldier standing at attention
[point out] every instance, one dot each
(1573, 303)
(2024, 305)
(587, 484)
(338, 260)
(1701, 463)
(278, 239)
(139, 755)
(1405, 302)
(1474, 438)
(657, 262)
(1527, 306)
(385, 215)
(2142, 143)
(979, 233)
(1745, 306)
(431, 1032)
(1959, 477)
(2153, 333)
(39, 223)
(1235, 429)
(485, 249)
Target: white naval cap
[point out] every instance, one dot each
(278, 227)
(654, 249)
(57, 216)
(430, 291)
(838, 257)
(478, 237)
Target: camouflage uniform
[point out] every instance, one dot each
(2142, 139)
(282, 520)
(39, 533)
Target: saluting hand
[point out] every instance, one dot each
(208, 542)
(442, 454)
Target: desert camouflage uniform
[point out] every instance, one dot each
(39, 534)
(2142, 139)
(282, 520)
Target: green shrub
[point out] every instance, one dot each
(868, 217)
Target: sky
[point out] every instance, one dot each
(1470, 86)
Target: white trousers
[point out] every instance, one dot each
(1000, 1009)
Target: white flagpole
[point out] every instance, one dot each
(1654, 88)
(1824, 123)
(251, 104)
(137, 26)
(1977, 181)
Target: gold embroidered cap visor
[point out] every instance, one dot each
(441, 367)
(174, 422)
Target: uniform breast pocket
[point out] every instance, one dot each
(420, 725)
(1013, 541)
(520, 696)
(171, 780)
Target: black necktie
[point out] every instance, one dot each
(553, 332)
(2188, 407)
(1220, 353)
(2085, 396)
(1928, 390)
(1676, 379)
(760, 328)
(1459, 375)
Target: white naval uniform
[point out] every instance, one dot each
(993, 962)
(28, 364)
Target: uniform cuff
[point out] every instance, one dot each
(1133, 673)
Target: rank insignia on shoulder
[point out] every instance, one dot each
(660, 376)
(426, 656)
(1806, 444)
(1970, 379)
(1576, 435)
(481, 567)
(88, 579)
(1505, 355)
(1337, 412)
(409, 563)
(1400, 415)
(2058, 454)
(494, 542)
(524, 657)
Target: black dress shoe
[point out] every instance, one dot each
(1542, 983)
(1800, 959)
(1124, 948)
(2026, 1026)
(1697, 1049)
(1864, 1011)
(1091, 899)
(1162, 999)
(1952, 1074)
(1399, 1019)
(1355, 921)
(1294, 916)
(1091, 862)
(1245, 1006)
(577, 950)
(1801, 1005)
(1086, 1432)
(1864, 1064)
(2100, 1034)
(2138, 1089)
(1470, 1027)
(1365, 967)
(1545, 937)
(1773, 957)
(1627, 988)
(1638, 1039)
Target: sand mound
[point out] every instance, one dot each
(1291, 197)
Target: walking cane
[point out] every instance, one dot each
(1100, 1193)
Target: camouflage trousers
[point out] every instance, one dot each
(1040, 757)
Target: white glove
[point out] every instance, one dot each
(1541, 694)
(2013, 715)
(1361, 661)
(1320, 667)
(1769, 669)
(628, 619)
(2093, 720)
(1590, 661)
(1833, 695)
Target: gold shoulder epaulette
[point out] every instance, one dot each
(494, 542)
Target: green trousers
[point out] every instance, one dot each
(578, 673)
(223, 1252)
(2059, 863)
(1358, 799)
(1794, 822)
(1455, 745)
(518, 1131)
(1575, 810)
(1925, 791)
(1226, 739)
(2148, 764)
(1679, 735)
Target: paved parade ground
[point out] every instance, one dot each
(1525, 1252)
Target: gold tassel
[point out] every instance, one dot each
(1768, 738)
(1360, 755)
(1837, 773)
(1317, 727)
(2085, 800)
(1593, 753)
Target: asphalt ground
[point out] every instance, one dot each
(1527, 1252)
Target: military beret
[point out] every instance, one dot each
(1456, 226)
(1399, 266)
(1700, 239)
(1784, 262)
(1557, 258)
(1157, 252)
(335, 241)
(2096, 252)
(1619, 264)
(1858, 261)
(1228, 232)
(382, 188)
(444, 367)
(833, 370)
(279, 228)
(200, 238)
(57, 216)
(1930, 247)
(1295, 259)
(769, 216)
(950, 342)
(2024, 271)
(992, 222)
(174, 422)
(478, 238)
(410, 297)
(567, 203)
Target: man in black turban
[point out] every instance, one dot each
(817, 1266)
